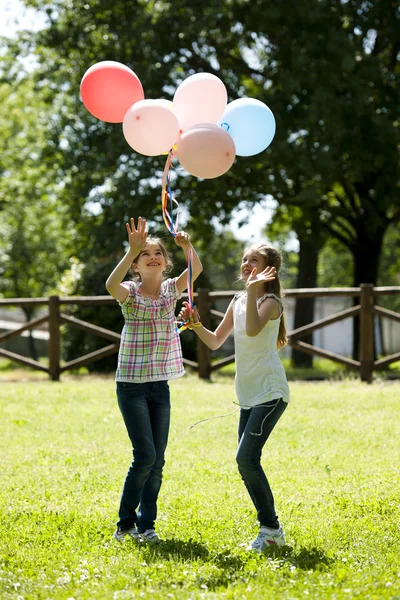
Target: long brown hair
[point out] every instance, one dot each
(273, 258)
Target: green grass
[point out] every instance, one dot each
(333, 462)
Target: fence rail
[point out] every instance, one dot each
(365, 310)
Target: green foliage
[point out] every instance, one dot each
(390, 267)
(65, 452)
(75, 342)
(334, 265)
(329, 73)
(34, 240)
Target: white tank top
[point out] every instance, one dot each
(260, 376)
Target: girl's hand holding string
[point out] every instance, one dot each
(256, 279)
(184, 314)
(194, 266)
(137, 236)
(182, 239)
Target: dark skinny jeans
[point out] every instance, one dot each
(255, 427)
(145, 408)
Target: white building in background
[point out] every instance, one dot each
(338, 337)
(12, 319)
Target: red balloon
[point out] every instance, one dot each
(108, 89)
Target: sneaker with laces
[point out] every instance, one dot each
(120, 535)
(267, 537)
(150, 536)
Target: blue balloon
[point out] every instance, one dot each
(250, 123)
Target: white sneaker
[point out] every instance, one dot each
(150, 536)
(120, 535)
(267, 537)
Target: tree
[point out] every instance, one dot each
(328, 69)
(34, 240)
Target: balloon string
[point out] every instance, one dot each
(216, 417)
(172, 226)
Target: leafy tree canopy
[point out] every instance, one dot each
(328, 70)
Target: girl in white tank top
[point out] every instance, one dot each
(256, 316)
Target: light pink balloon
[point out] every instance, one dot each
(108, 89)
(206, 151)
(151, 127)
(201, 98)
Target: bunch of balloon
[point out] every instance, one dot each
(198, 127)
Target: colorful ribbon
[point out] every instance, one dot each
(169, 205)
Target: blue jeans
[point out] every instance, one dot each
(255, 426)
(145, 408)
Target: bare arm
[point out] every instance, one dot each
(257, 318)
(212, 339)
(183, 240)
(137, 241)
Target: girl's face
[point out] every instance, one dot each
(151, 260)
(252, 260)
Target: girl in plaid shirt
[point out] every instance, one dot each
(150, 354)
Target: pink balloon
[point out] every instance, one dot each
(108, 89)
(150, 127)
(201, 98)
(206, 151)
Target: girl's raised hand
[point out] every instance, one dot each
(257, 278)
(137, 236)
(184, 313)
(182, 239)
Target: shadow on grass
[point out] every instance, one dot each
(174, 548)
(307, 559)
(304, 558)
(224, 568)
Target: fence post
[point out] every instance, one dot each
(54, 338)
(203, 352)
(366, 331)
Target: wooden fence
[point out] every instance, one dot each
(365, 309)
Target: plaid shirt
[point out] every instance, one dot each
(150, 347)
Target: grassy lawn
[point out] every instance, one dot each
(333, 463)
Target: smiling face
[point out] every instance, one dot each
(252, 260)
(151, 260)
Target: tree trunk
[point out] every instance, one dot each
(304, 310)
(366, 255)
